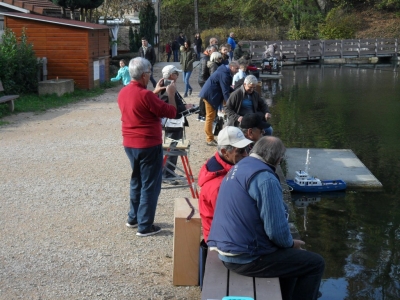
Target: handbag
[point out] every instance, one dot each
(218, 124)
(173, 125)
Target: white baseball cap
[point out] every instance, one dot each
(168, 70)
(232, 136)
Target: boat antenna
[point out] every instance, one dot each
(307, 160)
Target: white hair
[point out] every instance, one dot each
(251, 79)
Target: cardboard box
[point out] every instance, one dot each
(186, 243)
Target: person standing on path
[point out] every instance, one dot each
(147, 52)
(188, 57)
(123, 73)
(231, 41)
(198, 42)
(168, 50)
(141, 111)
(175, 50)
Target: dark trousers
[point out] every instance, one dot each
(168, 56)
(152, 78)
(177, 135)
(299, 272)
(176, 55)
(145, 184)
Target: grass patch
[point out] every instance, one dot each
(36, 103)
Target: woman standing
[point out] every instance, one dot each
(215, 62)
(188, 56)
(123, 73)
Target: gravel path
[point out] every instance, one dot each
(64, 202)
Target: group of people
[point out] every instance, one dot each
(244, 217)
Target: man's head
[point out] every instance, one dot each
(232, 35)
(213, 41)
(224, 50)
(145, 43)
(216, 57)
(171, 72)
(234, 67)
(253, 125)
(211, 49)
(181, 34)
(240, 43)
(140, 70)
(271, 149)
(232, 144)
(250, 84)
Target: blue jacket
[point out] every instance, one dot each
(250, 217)
(217, 87)
(123, 73)
(231, 41)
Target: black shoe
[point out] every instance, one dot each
(190, 91)
(184, 96)
(212, 143)
(131, 224)
(153, 230)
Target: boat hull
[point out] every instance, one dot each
(327, 186)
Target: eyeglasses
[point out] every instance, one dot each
(175, 73)
(241, 150)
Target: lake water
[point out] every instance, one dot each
(357, 232)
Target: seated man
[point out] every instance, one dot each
(250, 229)
(269, 55)
(253, 126)
(170, 74)
(246, 100)
(231, 149)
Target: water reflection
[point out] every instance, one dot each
(358, 233)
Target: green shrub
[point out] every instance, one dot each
(339, 25)
(18, 63)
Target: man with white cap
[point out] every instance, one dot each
(231, 149)
(170, 74)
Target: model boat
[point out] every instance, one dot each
(303, 182)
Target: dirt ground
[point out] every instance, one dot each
(64, 202)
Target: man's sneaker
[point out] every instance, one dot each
(190, 91)
(153, 230)
(212, 143)
(171, 182)
(131, 224)
(203, 119)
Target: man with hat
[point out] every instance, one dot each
(246, 100)
(231, 149)
(253, 126)
(170, 74)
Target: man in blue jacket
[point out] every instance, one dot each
(216, 90)
(231, 41)
(250, 229)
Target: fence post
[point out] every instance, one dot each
(322, 49)
(376, 47)
(359, 48)
(309, 50)
(44, 60)
(295, 50)
(396, 47)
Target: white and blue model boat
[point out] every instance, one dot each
(303, 182)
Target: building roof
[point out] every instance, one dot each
(42, 7)
(66, 22)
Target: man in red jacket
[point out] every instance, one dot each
(231, 149)
(141, 113)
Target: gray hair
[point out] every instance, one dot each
(233, 63)
(228, 148)
(251, 79)
(214, 56)
(211, 47)
(138, 66)
(270, 148)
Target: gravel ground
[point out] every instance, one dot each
(64, 202)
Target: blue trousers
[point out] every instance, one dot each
(145, 185)
(299, 272)
(176, 55)
(186, 77)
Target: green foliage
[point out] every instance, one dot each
(389, 4)
(18, 64)
(339, 25)
(148, 20)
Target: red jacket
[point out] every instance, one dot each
(141, 113)
(210, 178)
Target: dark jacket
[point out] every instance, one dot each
(238, 227)
(187, 59)
(150, 54)
(198, 42)
(234, 104)
(238, 52)
(204, 71)
(175, 45)
(212, 66)
(180, 104)
(181, 40)
(218, 87)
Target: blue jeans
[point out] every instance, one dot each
(268, 131)
(176, 55)
(145, 184)
(299, 271)
(186, 76)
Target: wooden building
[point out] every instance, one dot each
(74, 49)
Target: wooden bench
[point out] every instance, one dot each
(220, 282)
(9, 99)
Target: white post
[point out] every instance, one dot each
(114, 37)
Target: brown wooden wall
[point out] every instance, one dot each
(70, 51)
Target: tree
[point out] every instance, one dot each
(148, 20)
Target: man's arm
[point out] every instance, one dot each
(267, 191)
(225, 84)
(153, 56)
